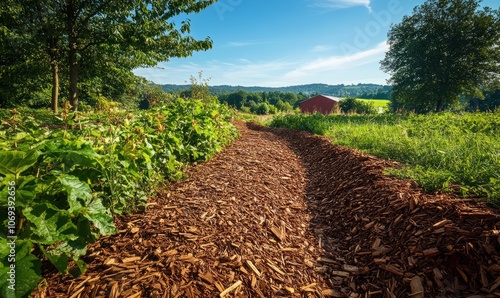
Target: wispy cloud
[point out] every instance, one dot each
(320, 48)
(245, 43)
(285, 71)
(338, 62)
(239, 72)
(339, 4)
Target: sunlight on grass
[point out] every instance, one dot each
(439, 150)
(377, 103)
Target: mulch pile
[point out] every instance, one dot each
(284, 213)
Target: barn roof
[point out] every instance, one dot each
(333, 98)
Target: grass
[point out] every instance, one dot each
(260, 119)
(377, 103)
(439, 151)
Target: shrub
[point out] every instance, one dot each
(350, 105)
(69, 183)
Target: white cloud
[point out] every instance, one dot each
(320, 48)
(338, 62)
(245, 43)
(240, 72)
(339, 4)
(359, 67)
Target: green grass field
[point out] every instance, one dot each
(440, 151)
(383, 103)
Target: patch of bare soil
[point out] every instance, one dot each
(284, 213)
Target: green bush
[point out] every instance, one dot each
(351, 105)
(69, 183)
(264, 108)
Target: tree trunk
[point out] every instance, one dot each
(73, 79)
(439, 106)
(72, 57)
(53, 51)
(55, 85)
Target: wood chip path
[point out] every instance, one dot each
(284, 213)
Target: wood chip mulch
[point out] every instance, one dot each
(284, 213)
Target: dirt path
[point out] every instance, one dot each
(283, 213)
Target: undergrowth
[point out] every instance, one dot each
(62, 179)
(440, 151)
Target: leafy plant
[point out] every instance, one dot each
(70, 183)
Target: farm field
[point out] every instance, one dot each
(177, 149)
(445, 152)
(377, 103)
(89, 189)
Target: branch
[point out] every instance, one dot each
(86, 20)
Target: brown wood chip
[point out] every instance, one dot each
(231, 288)
(417, 289)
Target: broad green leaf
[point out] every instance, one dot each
(27, 272)
(100, 217)
(50, 225)
(25, 189)
(81, 159)
(16, 162)
(4, 248)
(57, 258)
(79, 193)
(73, 249)
(77, 271)
(4, 283)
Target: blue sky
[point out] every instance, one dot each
(277, 43)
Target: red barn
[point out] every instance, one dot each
(319, 103)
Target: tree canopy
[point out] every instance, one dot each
(97, 41)
(445, 49)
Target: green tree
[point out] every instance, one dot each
(236, 99)
(351, 105)
(121, 34)
(283, 106)
(23, 44)
(446, 48)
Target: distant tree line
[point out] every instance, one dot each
(381, 93)
(262, 103)
(359, 90)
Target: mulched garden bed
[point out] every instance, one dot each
(284, 213)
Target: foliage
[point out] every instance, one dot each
(22, 78)
(445, 49)
(350, 105)
(153, 94)
(70, 182)
(95, 42)
(490, 102)
(262, 103)
(270, 103)
(378, 103)
(358, 90)
(440, 150)
(199, 89)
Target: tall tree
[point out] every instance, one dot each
(138, 32)
(446, 48)
(24, 45)
(123, 34)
